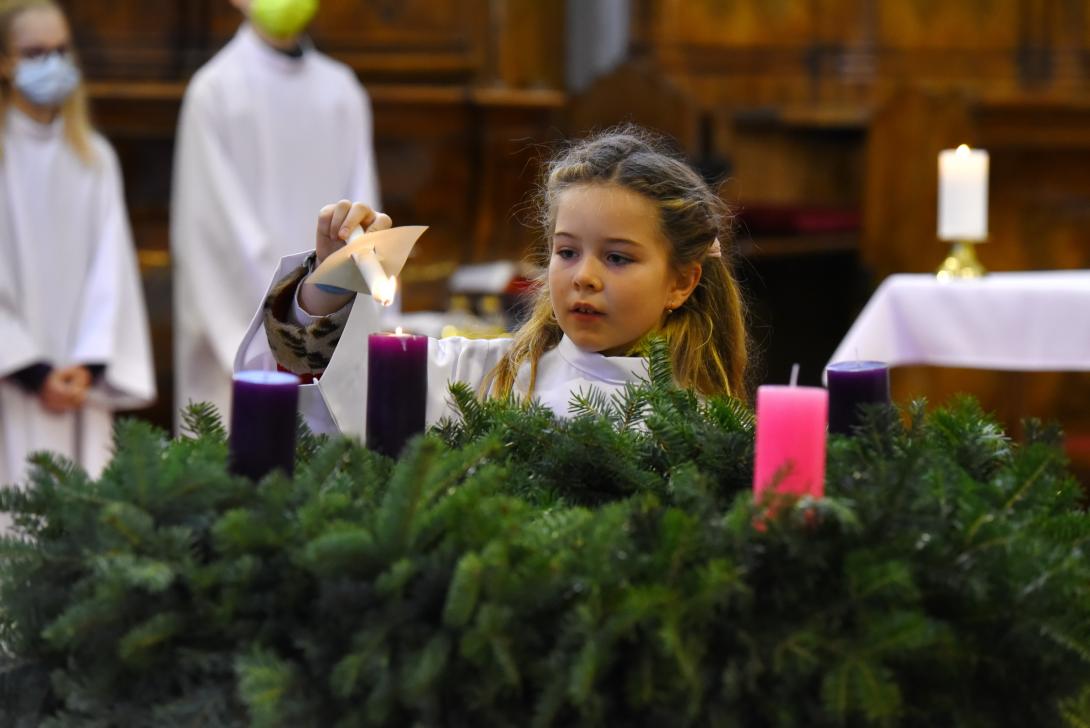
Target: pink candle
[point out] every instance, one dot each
(790, 444)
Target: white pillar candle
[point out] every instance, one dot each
(963, 194)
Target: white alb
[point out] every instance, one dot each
(70, 293)
(264, 141)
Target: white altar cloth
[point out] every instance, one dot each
(1031, 321)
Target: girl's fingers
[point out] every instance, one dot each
(337, 221)
(358, 215)
(382, 222)
(325, 219)
(340, 214)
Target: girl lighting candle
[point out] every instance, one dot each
(630, 248)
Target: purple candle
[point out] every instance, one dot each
(263, 407)
(397, 390)
(851, 384)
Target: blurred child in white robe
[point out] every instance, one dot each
(270, 130)
(74, 344)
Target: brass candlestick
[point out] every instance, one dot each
(961, 262)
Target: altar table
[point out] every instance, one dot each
(1027, 321)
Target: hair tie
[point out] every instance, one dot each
(715, 250)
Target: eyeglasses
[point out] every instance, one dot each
(32, 52)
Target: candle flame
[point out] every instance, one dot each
(398, 331)
(962, 150)
(385, 290)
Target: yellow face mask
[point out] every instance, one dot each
(282, 18)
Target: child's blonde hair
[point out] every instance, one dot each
(77, 119)
(706, 335)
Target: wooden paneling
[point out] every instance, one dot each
(786, 165)
(637, 92)
(136, 39)
(528, 42)
(932, 25)
(513, 43)
(1039, 185)
(900, 210)
(855, 51)
(733, 24)
(394, 39)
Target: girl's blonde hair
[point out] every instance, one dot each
(707, 334)
(77, 119)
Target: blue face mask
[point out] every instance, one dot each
(48, 80)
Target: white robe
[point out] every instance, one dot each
(70, 293)
(339, 401)
(263, 142)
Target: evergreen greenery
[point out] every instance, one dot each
(514, 569)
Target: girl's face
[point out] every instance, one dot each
(610, 276)
(35, 33)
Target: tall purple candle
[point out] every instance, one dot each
(263, 407)
(397, 390)
(852, 384)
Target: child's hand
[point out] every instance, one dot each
(336, 223)
(65, 389)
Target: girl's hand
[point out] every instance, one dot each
(336, 223)
(65, 390)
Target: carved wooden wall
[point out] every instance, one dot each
(800, 68)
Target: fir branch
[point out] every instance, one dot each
(307, 444)
(471, 412)
(591, 402)
(660, 369)
(201, 420)
(265, 683)
(612, 569)
(629, 405)
(1076, 710)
